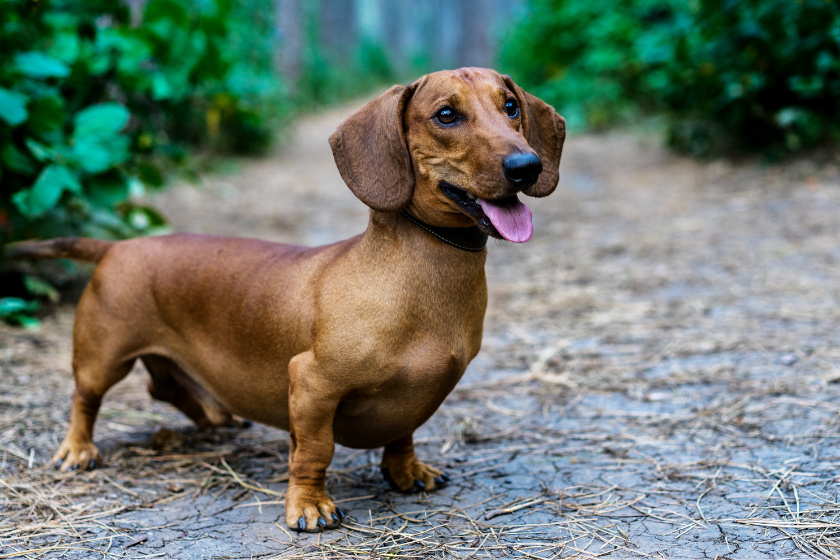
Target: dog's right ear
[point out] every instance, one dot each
(371, 153)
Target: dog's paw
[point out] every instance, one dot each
(239, 422)
(73, 456)
(412, 476)
(311, 510)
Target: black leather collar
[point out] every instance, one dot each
(467, 239)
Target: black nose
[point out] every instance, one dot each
(522, 169)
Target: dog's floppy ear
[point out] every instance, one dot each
(371, 153)
(545, 131)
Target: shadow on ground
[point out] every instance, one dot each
(659, 378)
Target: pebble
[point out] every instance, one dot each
(788, 359)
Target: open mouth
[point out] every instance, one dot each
(506, 218)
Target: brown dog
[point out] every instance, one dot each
(357, 342)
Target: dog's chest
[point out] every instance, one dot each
(399, 336)
(400, 396)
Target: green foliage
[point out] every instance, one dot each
(25, 295)
(18, 311)
(766, 73)
(592, 59)
(329, 76)
(759, 74)
(326, 79)
(94, 110)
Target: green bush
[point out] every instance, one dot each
(94, 110)
(592, 59)
(750, 74)
(765, 73)
(328, 79)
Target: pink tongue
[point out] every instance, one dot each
(511, 218)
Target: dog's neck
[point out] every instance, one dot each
(405, 234)
(401, 259)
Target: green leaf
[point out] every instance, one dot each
(64, 176)
(95, 154)
(150, 174)
(99, 63)
(13, 107)
(16, 160)
(160, 87)
(105, 119)
(11, 305)
(97, 143)
(46, 192)
(24, 321)
(65, 47)
(172, 10)
(40, 287)
(41, 152)
(15, 311)
(106, 191)
(104, 223)
(46, 117)
(91, 155)
(39, 65)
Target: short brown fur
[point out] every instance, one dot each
(356, 343)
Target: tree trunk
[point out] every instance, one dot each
(289, 38)
(477, 39)
(337, 26)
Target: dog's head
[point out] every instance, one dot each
(454, 149)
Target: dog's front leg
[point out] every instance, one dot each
(312, 406)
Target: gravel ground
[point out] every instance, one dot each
(660, 377)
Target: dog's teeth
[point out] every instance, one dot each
(471, 196)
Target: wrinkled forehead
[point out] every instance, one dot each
(456, 87)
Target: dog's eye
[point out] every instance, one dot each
(445, 115)
(512, 108)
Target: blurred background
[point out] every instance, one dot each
(103, 101)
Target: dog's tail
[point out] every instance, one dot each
(77, 248)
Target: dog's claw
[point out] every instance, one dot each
(439, 481)
(387, 476)
(246, 424)
(418, 484)
(301, 524)
(340, 513)
(444, 477)
(335, 518)
(58, 464)
(322, 522)
(92, 464)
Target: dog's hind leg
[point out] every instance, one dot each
(163, 386)
(102, 357)
(169, 383)
(94, 376)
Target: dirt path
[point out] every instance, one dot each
(659, 378)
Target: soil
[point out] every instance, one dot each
(660, 377)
